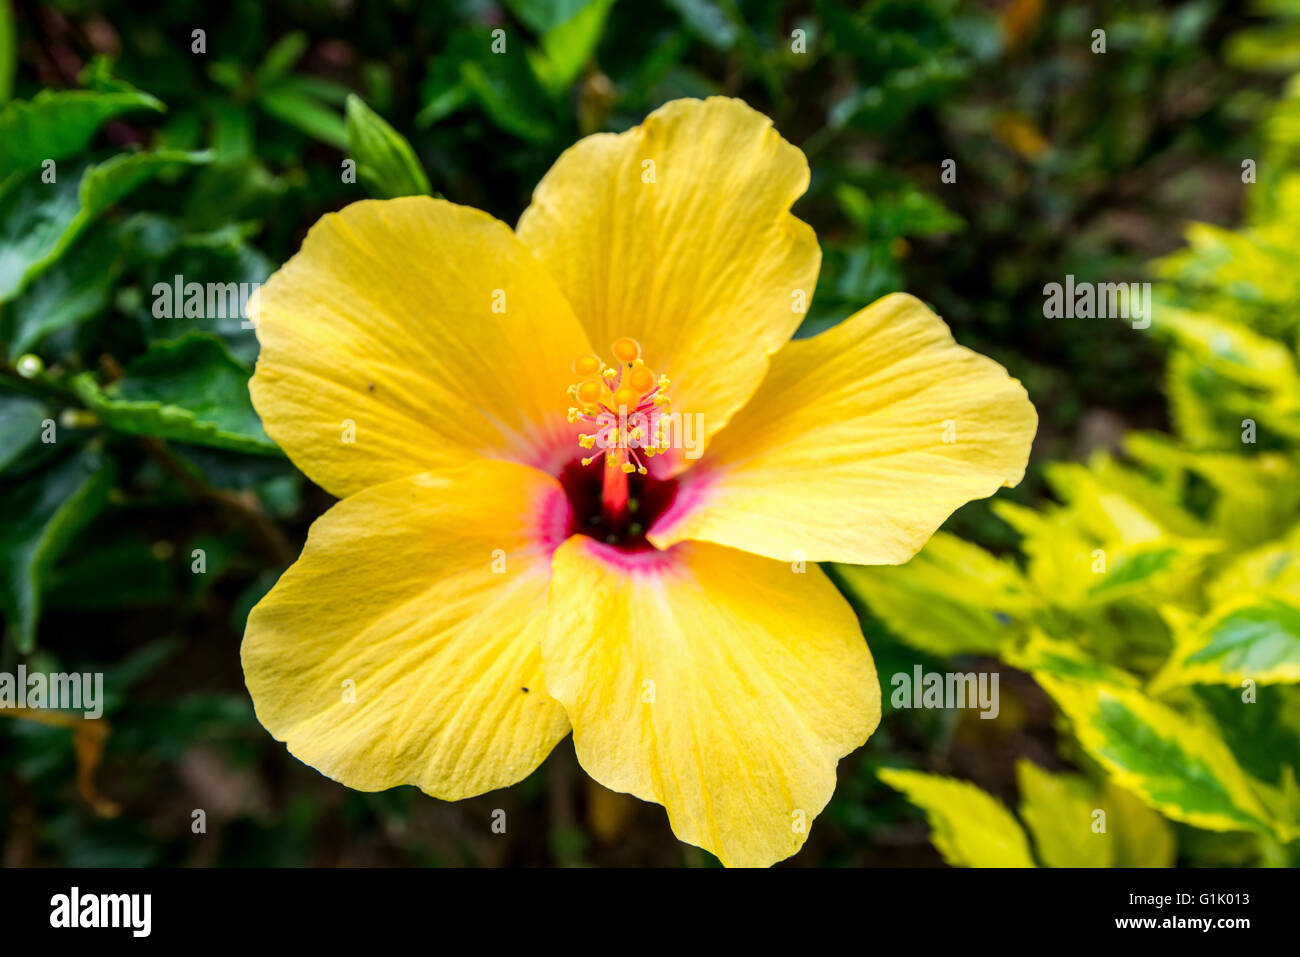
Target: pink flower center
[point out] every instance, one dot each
(623, 403)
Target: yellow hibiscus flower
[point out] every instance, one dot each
(479, 592)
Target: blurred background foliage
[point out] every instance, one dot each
(136, 541)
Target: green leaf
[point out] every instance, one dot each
(35, 226)
(543, 15)
(1261, 726)
(121, 573)
(706, 20)
(908, 212)
(1062, 659)
(281, 58)
(1180, 768)
(41, 220)
(77, 287)
(566, 49)
(8, 50)
(1131, 567)
(37, 519)
(21, 421)
(222, 258)
(968, 827)
(385, 161)
(509, 92)
(304, 112)
(55, 126)
(1274, 48)
(189, 390)
(1253, 638)
(1273, 569)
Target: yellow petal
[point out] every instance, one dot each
(677, 233)
(413, 334)
(422, 601)
(721, 685)
(859, 444)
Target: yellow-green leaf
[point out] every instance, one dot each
(952, 597)
(1078, 822)
(1255, 638)
(1140, 836)
(1060, 812)
(968, 827)
(1178, 766)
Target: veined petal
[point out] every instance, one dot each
(859, 444)
(721, 685)
(412, 334)
(678, 234)
(403, 647)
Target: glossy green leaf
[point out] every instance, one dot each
(21, 423)
(221, 258)
(189, 389)
(38, 517)
(58, 125)
(40, 220)
(77, 287)
(509, 93)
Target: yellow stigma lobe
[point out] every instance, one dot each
(640, 379)
(589, 392)
(626, 398)
(626, 350)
